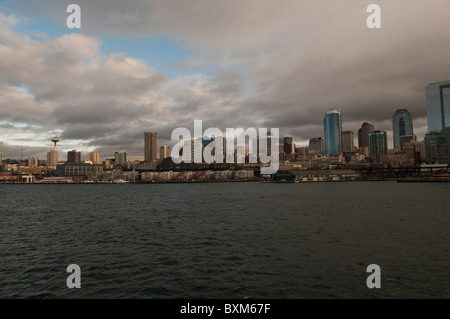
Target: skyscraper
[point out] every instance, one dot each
(377, 143)
(333, 132)
(402, 125)
(363, 134)
(287, 145)
(348, 144)
(164, 152)
(150, 146)
(94, 157)
(120, 159)
(74, 157)
(438, 106)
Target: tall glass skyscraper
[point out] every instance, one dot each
(333, 132)
(438, 106)
(378, 143)
(402, 125)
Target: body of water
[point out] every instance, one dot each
(225, 240)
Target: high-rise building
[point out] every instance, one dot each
(316, 146)
(33, 162)
(438, 106)
(94, 157)
(281, 146)
(378, 143)
(73, 157)
(52, 159)
(197, 150)
(1, 158)
(150, 146)
(402, 125)
(348, 144)
(363, 134)
(333, 132)
(287, 145)
(164, 152)
(120, 159)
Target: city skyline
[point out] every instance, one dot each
(126, 71)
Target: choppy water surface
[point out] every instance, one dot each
(225, 240)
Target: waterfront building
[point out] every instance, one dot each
(79, 170)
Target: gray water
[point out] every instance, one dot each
(225, 240)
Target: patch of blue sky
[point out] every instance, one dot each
(25, 90)
(34, 25)
(166, 55)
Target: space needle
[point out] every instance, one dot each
(55, 140)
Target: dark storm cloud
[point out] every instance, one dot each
(277, 64)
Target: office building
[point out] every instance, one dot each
(363, 134)
(438, 106)
(333, 132)
(79, 170)
(402, 125)
(378, 143)
(120, 159)
(348, 144)
(94, 157)
(287, 145)
(74, 157)
(150, 147)
(164, 152)
(437, 147)
(316, 146)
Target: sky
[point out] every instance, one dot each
(156, 65)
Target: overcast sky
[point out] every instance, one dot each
(143, 65)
